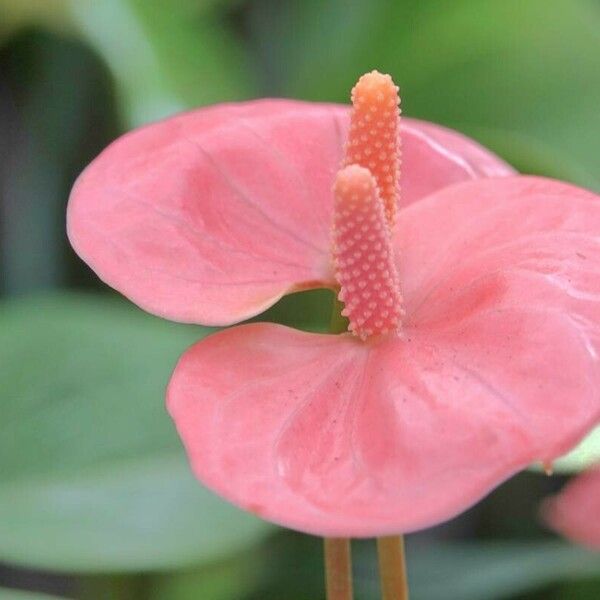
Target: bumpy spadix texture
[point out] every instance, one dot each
(575, 512)
(497, 367)
(363, 255)
(374, 135)
(211, 216)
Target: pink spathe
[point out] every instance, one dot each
(575, 511)
(496, 366)
(211, 216)
(474, 305)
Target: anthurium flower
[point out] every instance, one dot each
(212, 216)
(494, 366)
(575, 511)
(473, 313)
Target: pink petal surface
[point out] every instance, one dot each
(575, 512)
(213, 215)
(497, 367)
(507, 274)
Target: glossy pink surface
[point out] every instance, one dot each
(211, 216)
(575, 512)
(496, 367)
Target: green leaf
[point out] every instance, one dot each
(310, 311)
(165, 57)
(62, 117)
(580, 590)
(6, 594)
(234, 578)
(93, 475)
(586, 454)
(49, 13)
(495, 570)
(492, 69)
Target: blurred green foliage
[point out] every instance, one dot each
(56, 125)
(587, 453)
(6, 594)
(164, 56)
(88, 455)
(93, 478)
(176, 55)
(522, 77)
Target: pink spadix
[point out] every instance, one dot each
(363, 255)
(366, 201)
(374, 135)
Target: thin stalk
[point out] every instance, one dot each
(338, 560)
(338, 568)
(392, 568)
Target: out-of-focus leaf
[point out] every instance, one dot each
(15, 14)
(6, 594)
(60, 114)
(296, 568)
(310, 311)
(164, 57)
(56, 14)
(580, 590)
(535, 157)
(495, 570)
(513, 67)
(582, 456)
(235, 578)
(93, 477)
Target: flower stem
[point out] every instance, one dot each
(392, 568)
(338, 569)
(338, 561)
